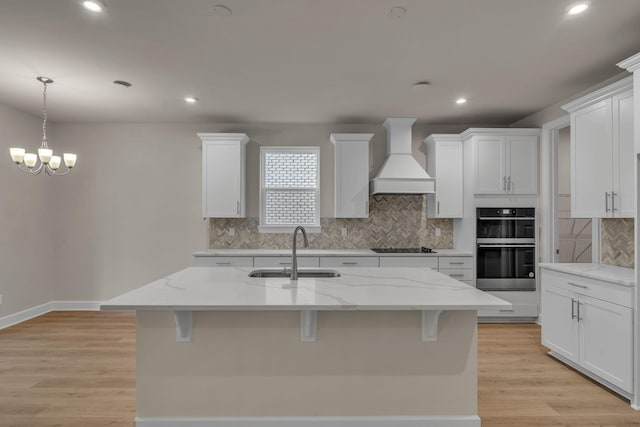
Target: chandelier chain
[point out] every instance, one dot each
(44, 116)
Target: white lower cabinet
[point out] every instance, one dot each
(590, 333)
(524, 307)
(223, 261)
(351, 261)
(409, 261)
(285, 261)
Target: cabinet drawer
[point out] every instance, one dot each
(223, 261)
(352, 261)
(606, 291)
(407, 261)
(285, 261)
(455, 262)
(458, 273)
(516, 310)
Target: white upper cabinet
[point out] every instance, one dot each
(444, 163)
(602, 153)
(223, 174)
(351, 168)
(506, 160)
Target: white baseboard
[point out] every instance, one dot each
(30, 313)
(398, 421)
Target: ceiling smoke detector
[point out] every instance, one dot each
(397, 12)
(221, 10)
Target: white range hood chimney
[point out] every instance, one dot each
(401, 173)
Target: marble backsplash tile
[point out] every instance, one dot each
(616, 242)
(394, 221)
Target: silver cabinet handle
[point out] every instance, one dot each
(579, 318)
(509, 183)
(238, 208)
(606, 201)
(577, 285)
(613, 201)
(504, 183)
(285, 263)
(506, 310)
(456, 263)
(350, 263)
(438, 210)
(456, 275)
(223, 263)
(573, 309)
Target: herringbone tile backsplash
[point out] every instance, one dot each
(394, 221)
(616, 242)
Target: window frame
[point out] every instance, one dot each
(288, 228)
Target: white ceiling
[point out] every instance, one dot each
(308, 60)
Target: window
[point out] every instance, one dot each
(289, 189)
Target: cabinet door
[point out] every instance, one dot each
(449, 180)
(624, 183)
(490, 165)
(559, 320)
(591, 161)
(606, 341)
(223, 170)
(522, 163)
(351, 175)
(409, 261)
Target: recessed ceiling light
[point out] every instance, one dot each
(93, 5)
(577, 8)
(221, 10)
(191, 99)
(397, 12)
(461, 101)
(421, 85)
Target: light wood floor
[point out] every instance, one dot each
(77, 369)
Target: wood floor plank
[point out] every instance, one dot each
(77, 369)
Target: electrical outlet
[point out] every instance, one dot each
(344, 231)
(232, 231)
(438, 232)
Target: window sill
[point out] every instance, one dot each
(287, 228)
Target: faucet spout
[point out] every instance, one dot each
(294, 256)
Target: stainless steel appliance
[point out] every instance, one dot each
(404, 250)
(506, 249)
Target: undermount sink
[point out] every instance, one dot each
(301, 273)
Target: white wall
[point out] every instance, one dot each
(26, 202)
(131, 209)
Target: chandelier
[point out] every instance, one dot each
(44, 160)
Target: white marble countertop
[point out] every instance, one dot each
(320, 252)
(610, 273)
(228, 288)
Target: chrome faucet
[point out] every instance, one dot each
(294, 257)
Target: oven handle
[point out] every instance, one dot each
(508, 218)
(507, 246)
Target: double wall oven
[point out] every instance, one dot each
(506, 249)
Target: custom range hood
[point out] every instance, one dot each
(400, 173)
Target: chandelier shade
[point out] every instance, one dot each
(45, 160)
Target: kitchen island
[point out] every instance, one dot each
(374, 347)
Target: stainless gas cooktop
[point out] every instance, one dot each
(404, 250)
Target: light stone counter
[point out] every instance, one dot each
(376, 347)
(610, 273)
(207, 288)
